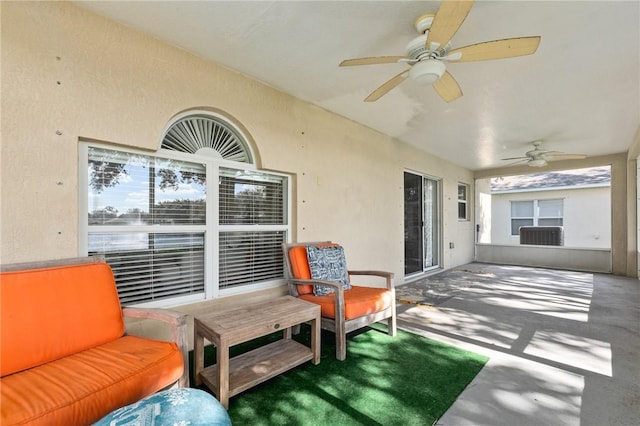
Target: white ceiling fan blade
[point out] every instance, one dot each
(447, 21)
(498, 49)
(386, 87)
(517, 162)
(539, 152)
(514, 158)
(562, 156)
(452, 57)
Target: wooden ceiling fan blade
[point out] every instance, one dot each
(386, 87)
(371, 60)
(498, 49)
(447, 21)
(447, 87)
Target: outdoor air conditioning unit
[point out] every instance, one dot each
(541, 235)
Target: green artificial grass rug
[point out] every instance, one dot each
(402, 380)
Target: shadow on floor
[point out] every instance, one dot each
(564, 345)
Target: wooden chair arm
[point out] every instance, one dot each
(166, 315)
(177, 322)
(388, 276)
(383, 274)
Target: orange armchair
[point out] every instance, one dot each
(316, 272)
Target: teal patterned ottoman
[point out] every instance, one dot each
(173, 407)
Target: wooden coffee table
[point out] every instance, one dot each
(230, 376)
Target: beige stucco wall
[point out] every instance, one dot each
(587, 216)
(68, 74)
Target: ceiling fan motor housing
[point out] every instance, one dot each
(417, 49)
(537, 162)
(428, 68)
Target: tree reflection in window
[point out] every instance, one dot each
(134, 189)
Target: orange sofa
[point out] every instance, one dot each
(65, 358)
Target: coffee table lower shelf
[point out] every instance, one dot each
(261, 364)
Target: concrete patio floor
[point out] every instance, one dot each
(564, 346)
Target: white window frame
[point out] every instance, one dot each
(536, 216)
(211, 230)
(286, 228)
(464, 201)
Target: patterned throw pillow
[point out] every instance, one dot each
(329, 264)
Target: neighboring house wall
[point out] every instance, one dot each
(622, 256)
(69, 74)
(586, 221)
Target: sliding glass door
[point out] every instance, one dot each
(413, 229)
(431, 223)
(421, 223)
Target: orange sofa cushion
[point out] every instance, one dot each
(84, 387)
(300, 266)
(358, 301)
(50, 313)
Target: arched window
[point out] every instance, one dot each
(193, 221)
(207, 134)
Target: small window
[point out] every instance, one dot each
(463, 201)
(536, 213)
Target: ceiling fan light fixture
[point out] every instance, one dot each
(427, 71)
(537, 162)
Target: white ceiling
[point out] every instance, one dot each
(580, 92)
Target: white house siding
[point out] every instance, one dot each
(587, 216)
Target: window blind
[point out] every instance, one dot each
(151, 267)
(252, 203)
(251, 198)
(248, 257)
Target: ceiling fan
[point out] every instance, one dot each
(539, 157)
(427, 53)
